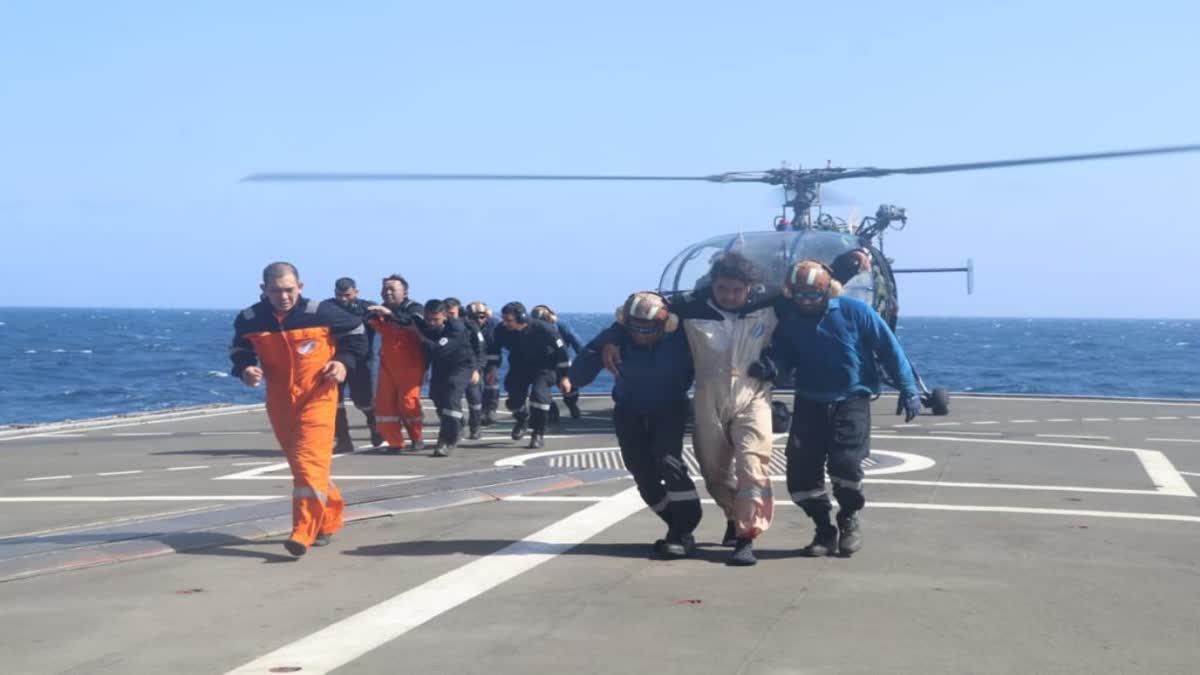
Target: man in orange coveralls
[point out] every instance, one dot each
(305, 349)
(401, 364)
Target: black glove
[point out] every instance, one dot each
(763, 369)
(910, 405)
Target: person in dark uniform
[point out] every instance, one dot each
(651, 402)
(453, 364)
(571, 339)
(359, 381)
(834, 344)
(537, 357)
(481, 314)
(475, 388)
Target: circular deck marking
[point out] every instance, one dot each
(879, 463)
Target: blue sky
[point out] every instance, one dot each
(126, 127)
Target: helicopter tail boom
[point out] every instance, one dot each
(968, 269)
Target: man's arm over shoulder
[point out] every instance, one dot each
(241, 352)
(570, 337)
(348, 332)
(586, 366)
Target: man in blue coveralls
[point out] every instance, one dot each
(834, 344)
(651, 403)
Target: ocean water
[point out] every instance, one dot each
(76, 363)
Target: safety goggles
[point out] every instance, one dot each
(645, 328)
(808, 296)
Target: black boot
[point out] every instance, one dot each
(376, 437)
(850, 539)
(489, 417)
(675, 546)
(730, 538)
(341, 432)
(536, 442)
(473, 431)
(743, 554)
(825, 542)
(519, 428)
(441, 450)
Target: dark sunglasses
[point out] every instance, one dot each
(808, 296)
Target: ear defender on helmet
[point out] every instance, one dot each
(808, 278)
(517, 311)
(647, 306)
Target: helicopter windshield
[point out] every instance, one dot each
(772, 252)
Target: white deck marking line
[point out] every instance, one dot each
(63, 435)
(1166, 417)
(1097, 419)
(230, 433)
(1189, 473)
(1174, 440)
(336, 477)
(119, 473)
(187, 468)
(1080, 400)
(906, 426)
(946, 424)
(264, 468)
(1194, 417)
(1163, 473)
(508, 437)
(251, 474)
(1082, 438)
(1131, 419)
(1052, 512)
(967, 433)
(1010, 486)
(146, 498)
(1160, 470)
(1022, 421)
(1061, 419)
(985, 422)
(144, 433)
(47, 478)
(350, 638)
(564, 498)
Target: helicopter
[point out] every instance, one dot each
(803, 230)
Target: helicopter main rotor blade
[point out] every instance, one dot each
(871, 172)
(359, 177)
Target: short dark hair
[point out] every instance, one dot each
(344, 284)
(279, 269)
(396, 277)
(434, 306)
(516, 310)
(735, 266)
(452, 302)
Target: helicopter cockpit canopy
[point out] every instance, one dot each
(773, 253)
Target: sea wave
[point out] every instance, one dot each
(179, 359)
